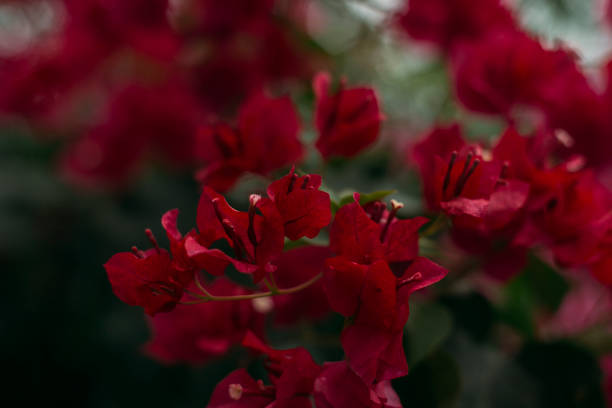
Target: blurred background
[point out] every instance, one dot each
(71, 195)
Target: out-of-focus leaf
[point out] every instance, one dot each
(489, 377)
(434, 382)
(518, 306)
(472, 312)
(429, 325)
(547, 285)
(567, 375)
(538, 286)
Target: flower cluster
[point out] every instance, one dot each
(113, 65)
(547, 188)
(497, 68)
(297, 251)
(369, 270)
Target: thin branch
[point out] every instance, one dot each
(287, 291)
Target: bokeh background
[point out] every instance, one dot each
(68, 341)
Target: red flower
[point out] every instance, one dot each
(196, 333)
(337, 386)
(303, 207)
(240, 390)
(39, 81)
(295, 267)
(348, 121)
(376, 269)
(265, 140)
(141, 24)
(220, 19)
(474, 192)
(139, 119)
(448, 22)
(245, 61)
(568, 209)
(292, 373)
(257, 239)
(506, 69)
(147, 278)
(575, 221)
(572, 104)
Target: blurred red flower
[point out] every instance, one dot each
(348, 121)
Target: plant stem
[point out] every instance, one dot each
(212, 298)
(436, 225)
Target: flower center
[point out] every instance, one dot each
(468, 169)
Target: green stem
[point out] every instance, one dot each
(435, 226)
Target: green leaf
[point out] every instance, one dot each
(566, 374)
(376, 195)
(434, 382)
(364, 198)
(549, 288)
(428, 326)
(539, 286)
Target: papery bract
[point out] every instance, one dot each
(375, 269)
(348, 121)
(304, 208)
(147, 279)
(265, 140)
(337, 386)
(292, 373)
(504, 70)
(474, 192)
(257, 239)
(242, 62)
(447, 22)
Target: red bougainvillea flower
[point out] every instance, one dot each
(256, 236)
(242, 62)
(40, 78)
(376, 269)
(295, 267)
(292, 373)
(35, 83)
(348, 121)
(482, 198)
(575, 223)
(139, 119)
(505, 69)
(447, 22)
(337, 386)
(240, 390)
(602, 266)
(570, 103)
(568, 209)
(474, 192)
(303, 207)
(265, 140)
(141, 24)
(196, 333)
(147, 278)
(221, 19)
